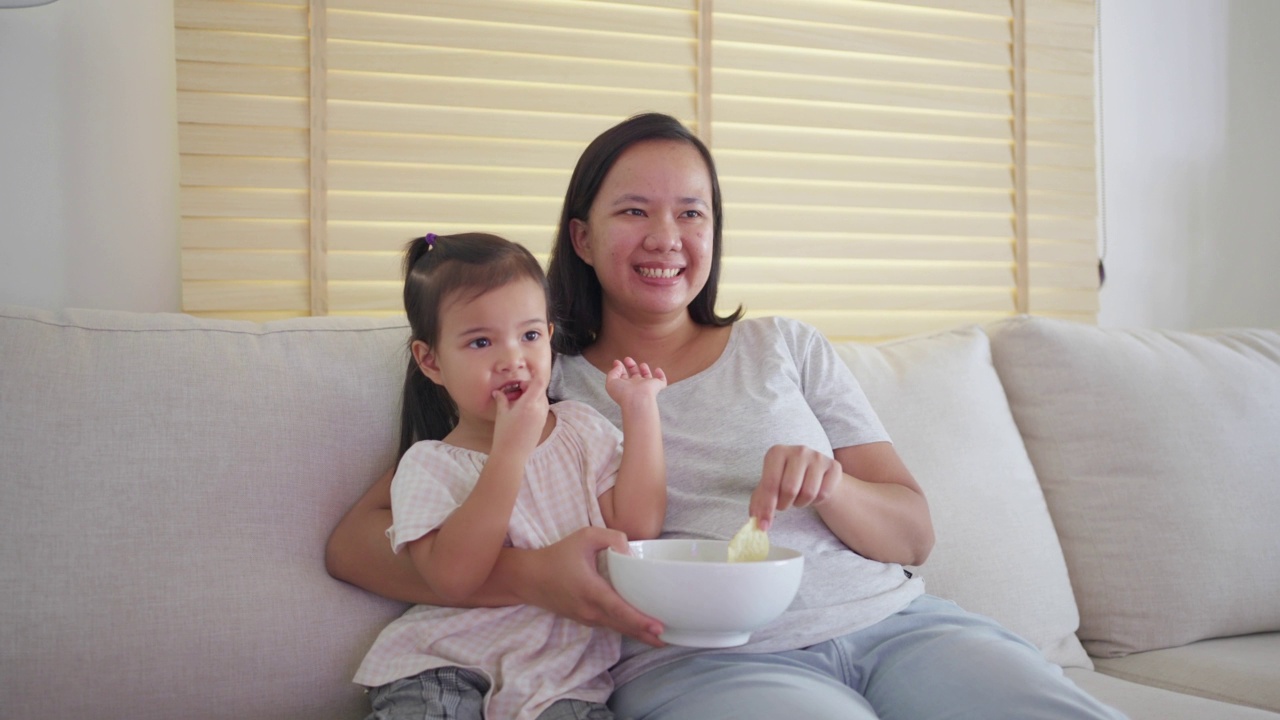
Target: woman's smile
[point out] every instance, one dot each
(658, 273)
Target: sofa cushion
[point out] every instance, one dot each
(1159, 456)
(1238, 669)
(169, 484)
(1146, 702)
(996, 551)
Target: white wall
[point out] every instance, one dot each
(1191, 135)
(88, 156)
(1190, 109)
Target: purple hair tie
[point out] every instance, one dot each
(431, 239)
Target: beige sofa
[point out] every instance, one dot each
(169, 482)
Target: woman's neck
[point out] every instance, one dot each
(678, 345)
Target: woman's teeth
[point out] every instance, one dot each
(659, 272)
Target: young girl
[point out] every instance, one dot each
(487, 461)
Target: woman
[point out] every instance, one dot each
(760, 418)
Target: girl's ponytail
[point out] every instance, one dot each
(426, 410)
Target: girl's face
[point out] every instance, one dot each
(500, 340)
(650, 230)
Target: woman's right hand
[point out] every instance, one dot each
(563, 578)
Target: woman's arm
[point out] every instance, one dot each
(866, 495)
(358, 551)
(878, 508)
(560, 578)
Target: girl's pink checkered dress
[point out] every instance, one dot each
(531, 656)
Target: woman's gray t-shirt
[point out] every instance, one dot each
(778, 382)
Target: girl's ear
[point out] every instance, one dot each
(581, 239)
(426, 360)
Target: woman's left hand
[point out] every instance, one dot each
(793, 476)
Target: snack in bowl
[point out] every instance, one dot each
(701, 599)
(749, 544)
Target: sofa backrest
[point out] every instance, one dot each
(168, 486)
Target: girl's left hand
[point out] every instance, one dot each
(793, 476)
(629, 381)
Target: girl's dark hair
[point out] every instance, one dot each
(576, 295)
(436, 267)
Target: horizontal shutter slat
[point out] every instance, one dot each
(833, 116)
(243, 203)
(241, 48)
(275, 18)
(205, 170)
(247, 141)
(843, 142)
(760, 192)
(248, 110)
(375, 88)
(218, 296)
(241, 233)
(859, 169)
(922, 248)
(244, 265)
(807, 61)
(766, 31)
(862, 92)
(459, 64)
(790, 271)
(375, 237)
(620, 45)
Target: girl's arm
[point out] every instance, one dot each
(560, 578)
(456, 558)
(637, 503)
(462, 552)
(866, 495)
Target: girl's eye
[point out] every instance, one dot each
(479, 343)
(532, 335)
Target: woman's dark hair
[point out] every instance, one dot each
(576, 295)
(436, 267)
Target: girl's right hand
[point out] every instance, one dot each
(569, 585)
(519, 424)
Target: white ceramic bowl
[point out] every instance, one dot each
(702, 599)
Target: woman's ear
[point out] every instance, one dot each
(581, 239)
(426, 360)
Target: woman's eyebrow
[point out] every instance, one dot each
(625, 199)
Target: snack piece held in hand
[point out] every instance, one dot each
(749, 544)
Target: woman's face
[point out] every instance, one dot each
(649, 232)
